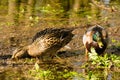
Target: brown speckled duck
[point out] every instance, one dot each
(96, 37)
(45, 43)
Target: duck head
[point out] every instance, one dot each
(97, 37)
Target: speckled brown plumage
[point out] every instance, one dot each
(47, 42)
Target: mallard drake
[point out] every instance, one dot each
(46, 43)
(95, 37)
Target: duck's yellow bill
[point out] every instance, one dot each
(100, 44)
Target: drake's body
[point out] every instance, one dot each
(97, 38)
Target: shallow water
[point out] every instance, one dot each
(26, 69)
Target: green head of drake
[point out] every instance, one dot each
(97, 36)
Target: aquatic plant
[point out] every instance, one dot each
(105, 61)
(51, 74)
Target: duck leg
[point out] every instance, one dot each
(86, 55)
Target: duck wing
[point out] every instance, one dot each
(54, 32)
